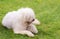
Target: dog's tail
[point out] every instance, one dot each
(36, 22)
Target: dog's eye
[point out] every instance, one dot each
(33, 19)
(28, 22)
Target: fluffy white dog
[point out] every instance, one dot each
(21, 21)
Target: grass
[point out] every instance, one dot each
(47, 11)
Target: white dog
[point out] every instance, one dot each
(21, 21)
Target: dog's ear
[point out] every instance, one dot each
(36, 22)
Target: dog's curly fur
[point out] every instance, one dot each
(21, 21)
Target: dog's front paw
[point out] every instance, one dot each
(31, 35)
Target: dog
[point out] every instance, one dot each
(21, 21)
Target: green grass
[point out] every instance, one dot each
(47, 11)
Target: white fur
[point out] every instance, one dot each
(17, 21)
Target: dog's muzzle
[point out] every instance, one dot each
(30, 22)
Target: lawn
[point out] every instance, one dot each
(47, 12)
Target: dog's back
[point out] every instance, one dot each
(8, 19)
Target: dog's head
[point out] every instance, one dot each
(28, 15)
